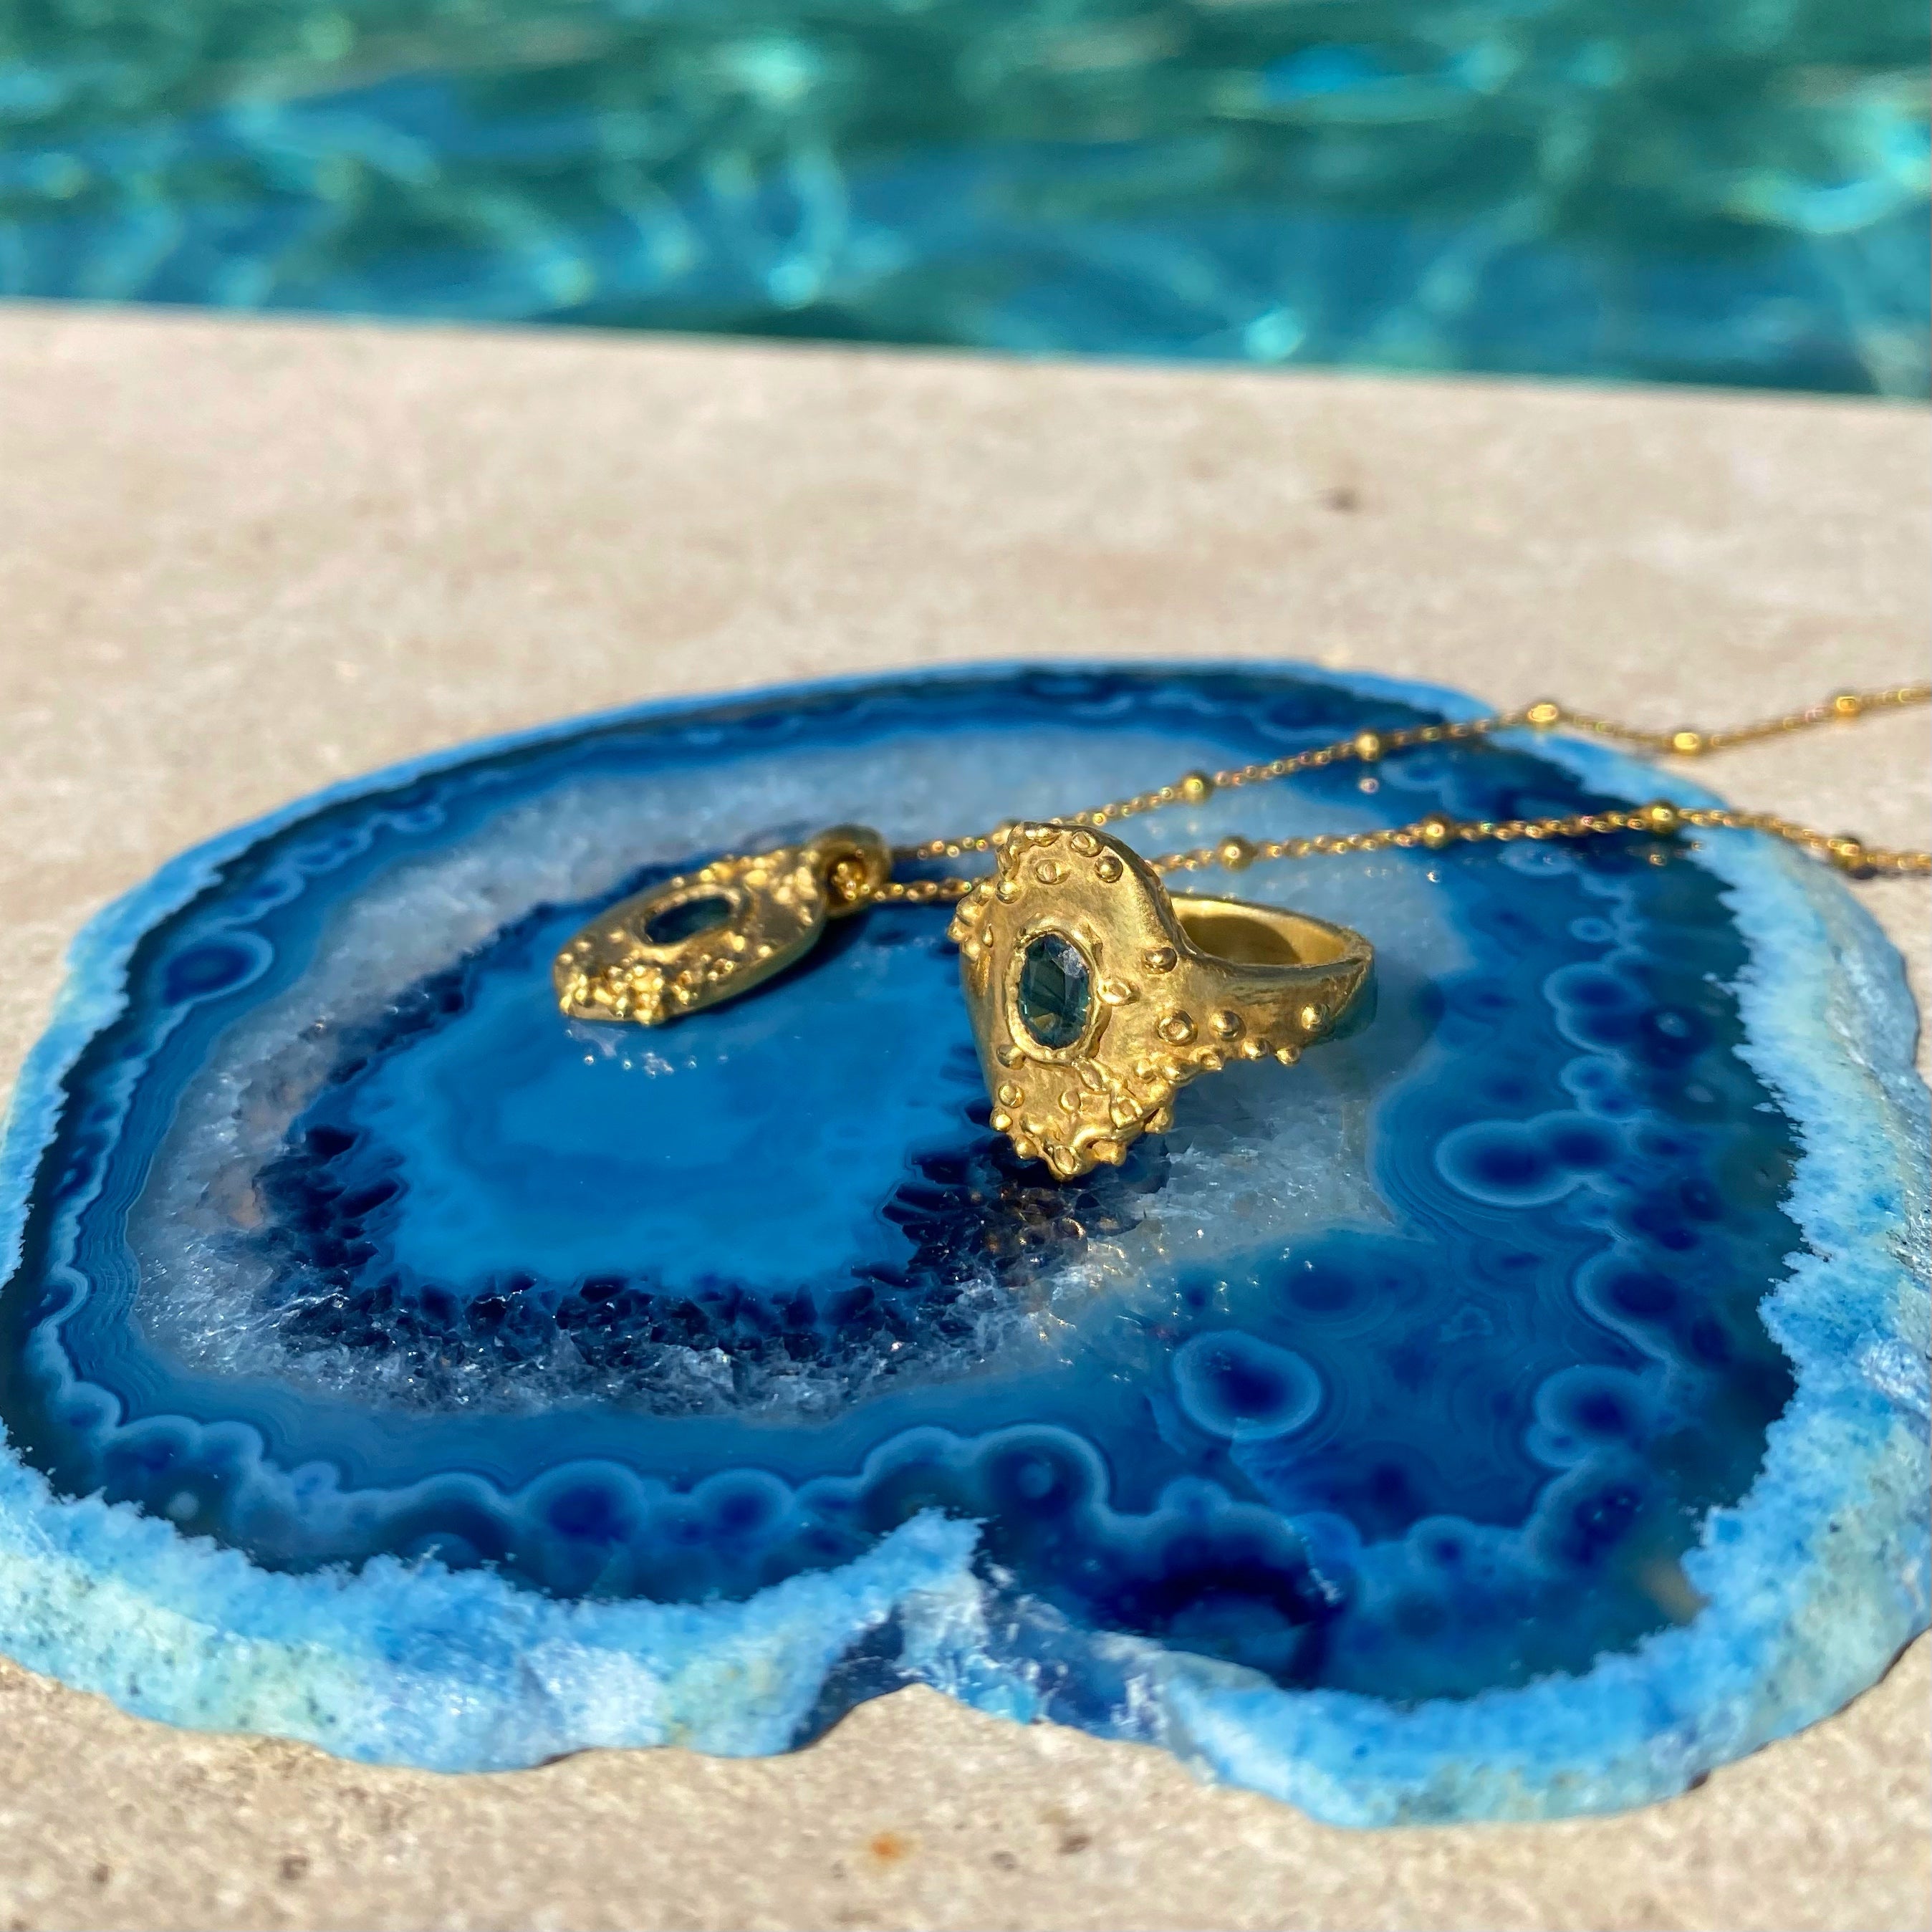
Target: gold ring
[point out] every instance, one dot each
(1095, 994)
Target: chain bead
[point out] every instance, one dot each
(1848, 854)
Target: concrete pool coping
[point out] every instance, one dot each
(240, 559)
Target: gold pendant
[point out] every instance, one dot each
(709, 935)
(1095, 994)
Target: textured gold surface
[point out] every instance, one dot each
(1180, 987)
(776, 904)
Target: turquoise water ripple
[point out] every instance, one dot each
(1733, 193)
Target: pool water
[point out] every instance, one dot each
(1734, 193)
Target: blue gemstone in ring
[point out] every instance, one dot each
(1055, 993)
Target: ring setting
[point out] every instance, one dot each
(1095, 994)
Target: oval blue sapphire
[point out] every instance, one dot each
(1056, 990)
(684, 919)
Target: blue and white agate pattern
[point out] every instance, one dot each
(1512, 1410)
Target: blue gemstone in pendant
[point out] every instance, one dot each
(1056, 990)
(686, 919)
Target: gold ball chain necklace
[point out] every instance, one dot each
(1095, 993)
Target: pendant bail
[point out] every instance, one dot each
(708, 935)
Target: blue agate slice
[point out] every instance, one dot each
(1513, 1409)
